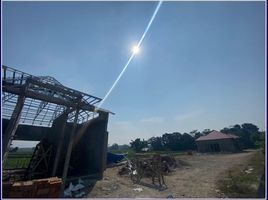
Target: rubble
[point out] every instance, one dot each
(127, 168)
(138, 189)
(249, 170)
(168, 165)
(75, 190)
(154, 167)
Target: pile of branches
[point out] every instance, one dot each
(167, 165)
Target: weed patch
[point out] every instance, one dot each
(243, 181)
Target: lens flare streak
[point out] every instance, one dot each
(132, 55)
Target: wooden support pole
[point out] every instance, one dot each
(59, 148)
(12, 126)
(69, 152)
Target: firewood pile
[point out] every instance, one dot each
(168, 164)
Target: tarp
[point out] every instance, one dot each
(114, 158)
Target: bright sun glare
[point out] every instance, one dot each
(135, 49)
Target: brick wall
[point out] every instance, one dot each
(39, 188)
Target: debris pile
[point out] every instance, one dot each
(138, 189)
(249, 170)
(128, 168)
(190, 153)
(75, 190)
(168, 164)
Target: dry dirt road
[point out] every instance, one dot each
(197, 179)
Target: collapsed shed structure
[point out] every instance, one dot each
(72, 131)
(217, 141)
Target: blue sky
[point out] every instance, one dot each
(201, 64)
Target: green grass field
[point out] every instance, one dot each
(131, 153)
(17, 160)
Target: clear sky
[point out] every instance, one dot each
(201, 64)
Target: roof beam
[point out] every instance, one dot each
(43, 97)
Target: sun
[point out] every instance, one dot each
(136, 49)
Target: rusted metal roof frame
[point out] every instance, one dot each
(43, 95)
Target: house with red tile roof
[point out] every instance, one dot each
(217, 141)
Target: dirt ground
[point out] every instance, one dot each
(197, 177)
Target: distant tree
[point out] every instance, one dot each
(114, 147)
(172, 141)
(237, 126)
(236, 130)
(124, 147)
(179, 142)
(249, 133)
(187, 142)
(195, 134)
(206, 131)
(156, 143)
(253, 131)
(251, 128)
(138, 144)
(260, 143)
